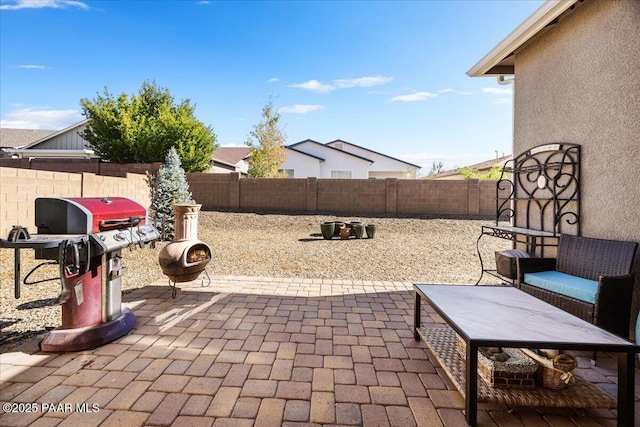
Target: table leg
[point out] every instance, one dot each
(480, 258)
(626, 386)
(471, 384)
(16, 273)
(416, 316)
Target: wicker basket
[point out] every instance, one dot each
(502, 374)
(554, 373)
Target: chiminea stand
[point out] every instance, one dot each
(185, 257)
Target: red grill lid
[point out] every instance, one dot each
(87, 215)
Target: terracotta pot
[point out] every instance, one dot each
(345, 232)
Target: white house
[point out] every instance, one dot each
(65, 143)
(383, 166)
(332, 163)
(230, 159)
(341, 159)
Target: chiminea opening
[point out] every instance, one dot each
(185, 257)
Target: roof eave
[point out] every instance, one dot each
(55, 134)
(52, 153)
(490, 63)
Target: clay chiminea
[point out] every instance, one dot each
(185, 257)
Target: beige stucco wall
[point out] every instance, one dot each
(579, 82)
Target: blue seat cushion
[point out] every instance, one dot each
(564, 284)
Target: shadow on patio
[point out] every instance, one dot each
(264, 352)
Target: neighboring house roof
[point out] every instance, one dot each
(307, 141)
(17, 138)
(34, 144)
(499, 61)
(482, 167)
(306, 154)
(230, 155)
(340, 141)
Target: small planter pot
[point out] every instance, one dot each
(327, 228)
(371, 230)
(338, 225)
(358, 230)
(351, 224)
(345, 232)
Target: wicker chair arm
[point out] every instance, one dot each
(613, 304)
(533, 265)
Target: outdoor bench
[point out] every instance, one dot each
(590, 278)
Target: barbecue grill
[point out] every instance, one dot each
(85, 236)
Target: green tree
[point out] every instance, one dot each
(266, 145)
(436, 168)
(168, 187)
(141, 128)
(471, 173)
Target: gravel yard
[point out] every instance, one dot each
(247, 244)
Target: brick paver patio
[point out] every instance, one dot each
(249, 351)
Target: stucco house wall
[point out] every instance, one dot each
(383, 166)
(579, 81)
(304, 166)
(334, 160)
(68, 139)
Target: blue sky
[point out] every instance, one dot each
(386, 75)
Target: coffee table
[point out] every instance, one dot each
(503, 316)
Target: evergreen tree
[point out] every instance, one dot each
(169, 187)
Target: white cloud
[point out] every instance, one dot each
(300, 109)
(497, 91)
(314, 86)
(362, 82)
(33, 67)
(458, 92)
(41, 4)
(367, 81)
(28, 118)
(502, 101)
(273, 80)
(204, 2)
(418, 96)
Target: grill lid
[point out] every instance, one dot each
(86, 215)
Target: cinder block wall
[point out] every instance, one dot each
(133, 186)
(288, 195)
(20, 187)
(211, 190)
(363, 196)
(351, 195)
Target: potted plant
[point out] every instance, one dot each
(358, 230)
(327, 229)
(371, 230)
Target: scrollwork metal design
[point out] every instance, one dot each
(545, 188)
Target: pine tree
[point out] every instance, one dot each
(169, 187)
